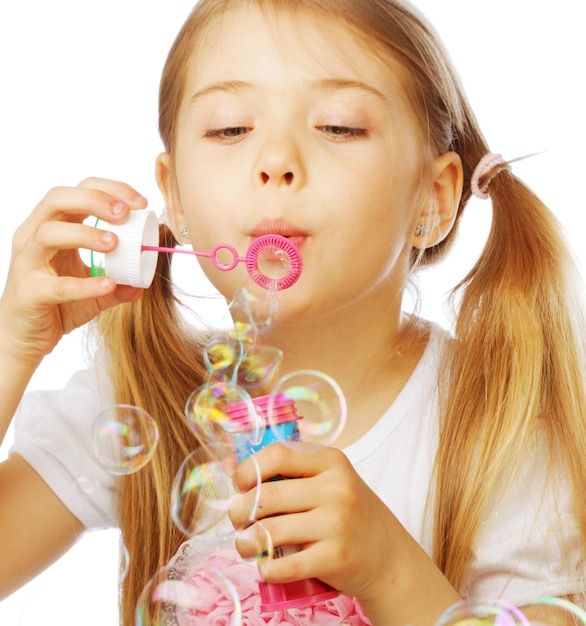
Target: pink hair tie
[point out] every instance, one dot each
(489, 163)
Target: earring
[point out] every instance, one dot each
(421, 230)
(185, 233)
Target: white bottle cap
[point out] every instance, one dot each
(128, 264)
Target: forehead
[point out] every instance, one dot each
(245, 40)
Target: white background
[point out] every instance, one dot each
(79, 87)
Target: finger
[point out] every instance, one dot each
(70, 204)
(75, 314)
(68, 290)
(296, 565)
(79, 203)
(274, 498)
(269, 536)
(291, 460)
(286, 556)
(123, 293)
(116, 189)
(53, 236)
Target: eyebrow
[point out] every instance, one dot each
(223, 86)
(324, 84)
(333, 84)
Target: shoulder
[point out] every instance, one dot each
(78, 401)
(437, 342)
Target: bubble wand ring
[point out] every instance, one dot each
(282, 244)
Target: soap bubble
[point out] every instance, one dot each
(206, 596)
(252, 315)
(259, 367)
(318, 400)
(207, 411)
(123, 560)
(222, 357)
(550, 611)
(476, 612)
(202, 491)
(227, 361)
(124, 439)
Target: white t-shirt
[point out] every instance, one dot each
(528, 543)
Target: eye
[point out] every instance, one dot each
(343, 133)
(229, 134)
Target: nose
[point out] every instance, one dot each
(279, 163)
(286, 178)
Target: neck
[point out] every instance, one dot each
(367, 350)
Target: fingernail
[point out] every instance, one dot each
(249, 543)
(118, 208)
(107, 237)
(247, 537)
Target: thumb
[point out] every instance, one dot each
(126, 293)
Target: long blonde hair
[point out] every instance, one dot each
(516, 367)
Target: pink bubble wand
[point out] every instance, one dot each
(134, 260)
(291, 259)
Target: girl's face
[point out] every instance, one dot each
(292, 127)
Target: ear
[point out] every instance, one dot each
(168, 187)
(439, 215)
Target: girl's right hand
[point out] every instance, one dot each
(49, 290)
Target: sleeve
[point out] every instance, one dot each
(529, 541)
(53, 433)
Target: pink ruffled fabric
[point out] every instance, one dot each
(225, 574)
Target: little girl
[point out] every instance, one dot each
(340, 125)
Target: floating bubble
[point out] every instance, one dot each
(206, 409)
(283, 425)
(259, 536)
(206, 596)
(251, 315)
(256, 503)
(124, 439)
(550, 611)
(222, 357)
(202, 491)
(477, 612)
(259, 367)
(207, 412)
(244, 331)
(123, 560)
(319, 401)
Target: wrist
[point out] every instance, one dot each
(16, 352)
(17, 370)
(17, 363)
(413, 591)
(17, 360)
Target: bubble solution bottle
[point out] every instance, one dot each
(280, 425)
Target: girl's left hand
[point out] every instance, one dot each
(350, 539)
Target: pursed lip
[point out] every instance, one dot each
(282, 227)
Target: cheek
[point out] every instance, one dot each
(204, 196)
(212, 195)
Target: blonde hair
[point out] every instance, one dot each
(155, 363)
(516, 367)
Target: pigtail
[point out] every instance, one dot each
(155, 364)
(517, 366)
